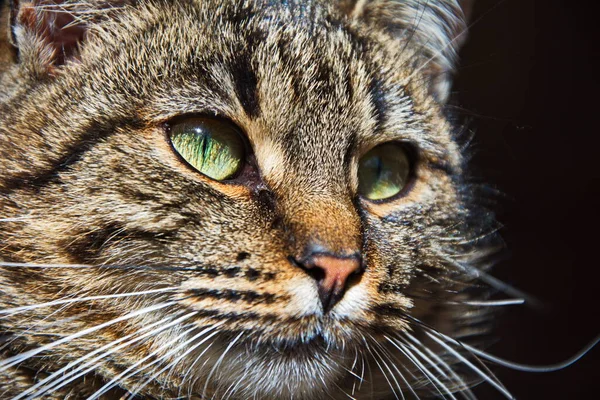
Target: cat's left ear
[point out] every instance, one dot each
(48, 33)
(436, 28)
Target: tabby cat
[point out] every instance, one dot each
(237, 199)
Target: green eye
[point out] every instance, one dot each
(383, 171)
(213, 147)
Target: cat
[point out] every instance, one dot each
(238, 199)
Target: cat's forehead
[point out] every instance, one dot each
(273, 62)
(307, 87)
(294, 68)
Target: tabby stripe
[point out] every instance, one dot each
(378, 100)
(390, 287)
(248, 296)
(232, 316)
(213, 272)
(75, 152)
(252, 274)
(253, 317)
(246, 83)
(90, 245)
(230, 272)
(389, 309)
(249, 316)
(234, 272)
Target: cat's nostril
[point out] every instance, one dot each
(332, 274)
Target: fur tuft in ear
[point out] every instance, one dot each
(437, 29)
(48, 33)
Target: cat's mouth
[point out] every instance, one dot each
(301, 341)
(309, 335)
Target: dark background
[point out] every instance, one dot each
(528, 82)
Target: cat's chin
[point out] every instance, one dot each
(249, 364)
(269, 371)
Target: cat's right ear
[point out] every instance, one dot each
(436, 28)
(44, 34)
(49, 33)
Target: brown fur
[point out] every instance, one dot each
(89, 179)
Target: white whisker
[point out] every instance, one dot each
(354, 363)
(464, 387)
(189, 370)
(219, 361)
(16, 310)
(428, 360)
(44, 266)
(178, 359)
(389, 356)
(362, 371)
(354, 383)
(479, 273)
(131, 371)
(426, 374)
(376, 355)
(525, 367)
(12, 361)
(16, 219)
(488, 303)
(76, 373)
(473, 367)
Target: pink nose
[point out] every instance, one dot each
(332, 274)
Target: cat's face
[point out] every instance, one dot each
(284, 277)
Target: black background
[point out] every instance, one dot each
(529, 83)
